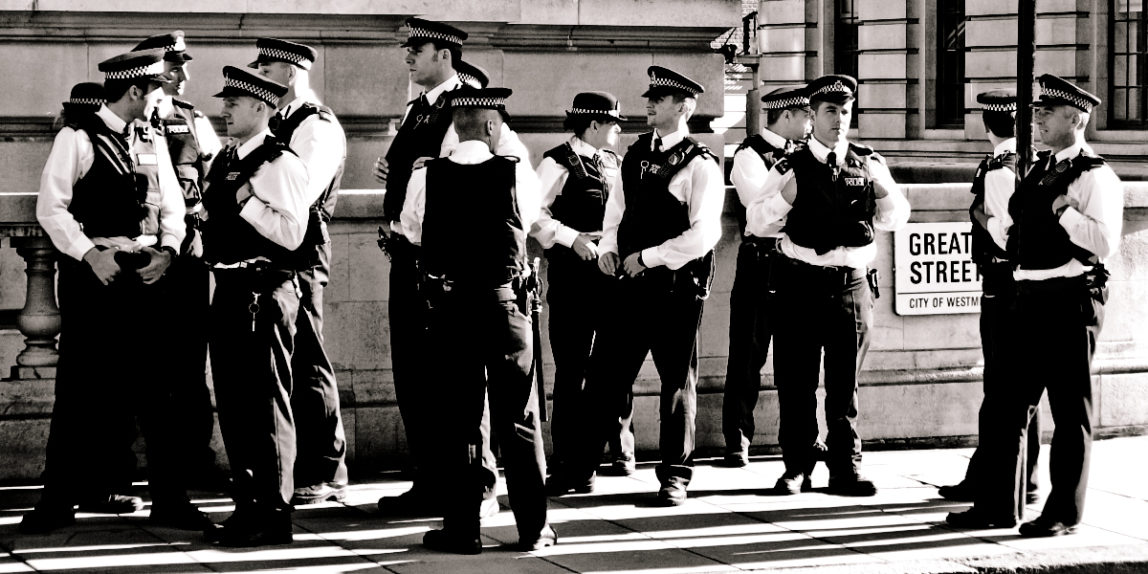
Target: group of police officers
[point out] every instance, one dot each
(143, 202)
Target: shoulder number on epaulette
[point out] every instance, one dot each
(782, 166)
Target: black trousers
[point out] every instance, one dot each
(1058, 322)
(826, 309)
(190, 285)
(750, 330)
(576, 292)
(321, 441)
(646, 317)
(998, 337)
(483, 347)
(251, 368)
(98, 402)
(412, 358)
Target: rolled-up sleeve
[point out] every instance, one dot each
(704, 191)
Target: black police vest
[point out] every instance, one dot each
(227, 237)
(120, 194)
(1036, 239)
(323, 209)
(834, 207)
(184, 148)
(653, 215)
(984, 248)
(472, 229)
(581, 204)
(420, 135)
(769, 155)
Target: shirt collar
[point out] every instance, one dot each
(1007, 146)
(250, 145)
(451, 83)
(114, 122)
(670, 140)
(581, 147)
(471, 151)
(290, 108)
(1069, 152)
(822, 153)
(773, 139)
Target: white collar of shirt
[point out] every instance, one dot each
(773, 139)
(822, 153)
(165, 107)
(670, 140)
(471, 152)
(1007, 146)
(250, 145)
(581, 147)
(297, 103)
(1069, 152)
(451, 83)
(114, 122)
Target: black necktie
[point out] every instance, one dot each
(832, 161)
(658, 144)
(789, 146)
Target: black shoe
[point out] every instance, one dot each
(851, 485)
(1044, 528)
(671, 494)
(792, 483)
(974, 519)
(42, 520)
(252, 529)
(961, 492)
(564, 483)
(409, 504)
(322, 492)
(443, 541)
(621, 466)
(179, 516)
(113, 504)
(735, 459)
(548, 537)
(211, 479)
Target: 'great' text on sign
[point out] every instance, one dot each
(933, 269)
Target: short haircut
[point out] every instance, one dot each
(114, 90)
(1000, 124)
(455, 51)
(472, 121)
(772, 116)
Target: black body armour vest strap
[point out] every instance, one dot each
(420, 135)
(120, 195)
(653, 215)
(984, 248)
(1036, 239)
(769, 155)
(472, 229)
(582, 202)
(834, 207)
(227, 237)
(184, 148)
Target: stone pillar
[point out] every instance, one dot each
(39, 321)
(886, 108)
(782, 38)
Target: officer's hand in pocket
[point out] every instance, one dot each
(103, 264)
(160, 260)
(608, 263)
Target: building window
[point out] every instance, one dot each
(845, 38)
(1127, 64)
(950, 88)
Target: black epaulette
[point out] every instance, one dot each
(861, 150)
(700, 149)
(512, 158)
(782, 166)
(1089, 160)
(183, 104)
(1005, 159)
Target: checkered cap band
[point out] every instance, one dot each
(469, 80)
(656, 82)
(473, 102)
(786, 103)
(420, 32)
(285, 56)
(86, 101)
(1009, 107)
(1076, 99)
(835, 87)
(178, 46)
(257, 91)
(153, 69)
(587, 111)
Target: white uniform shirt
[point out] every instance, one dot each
(892, 211)
(701, 187)
(748, 177)
(999, 187)
(469, 153)
(321, 145)
(1096, 225)
(552, 177)
(71, 157)
(278, 206)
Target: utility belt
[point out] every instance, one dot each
(996, 277)
(759, 247)
(396, 246)
(1094, 281)
(797, 274)
(695, 278)
(437, 290)
(260, 274)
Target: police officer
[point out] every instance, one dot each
(577, 180)
(192, 142)
(432, 49)
(111, 205)
(658, 235)
(312, 132)
(471, 212)
(1063, 222)
(256, 202)
(85, 98)
(834, 195)
(993, 185)
(787, 121)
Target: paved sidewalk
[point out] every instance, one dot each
(730, 524)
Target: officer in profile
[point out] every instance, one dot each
(787, 116)
(834, 196)
(471, 212)
(84, 99)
